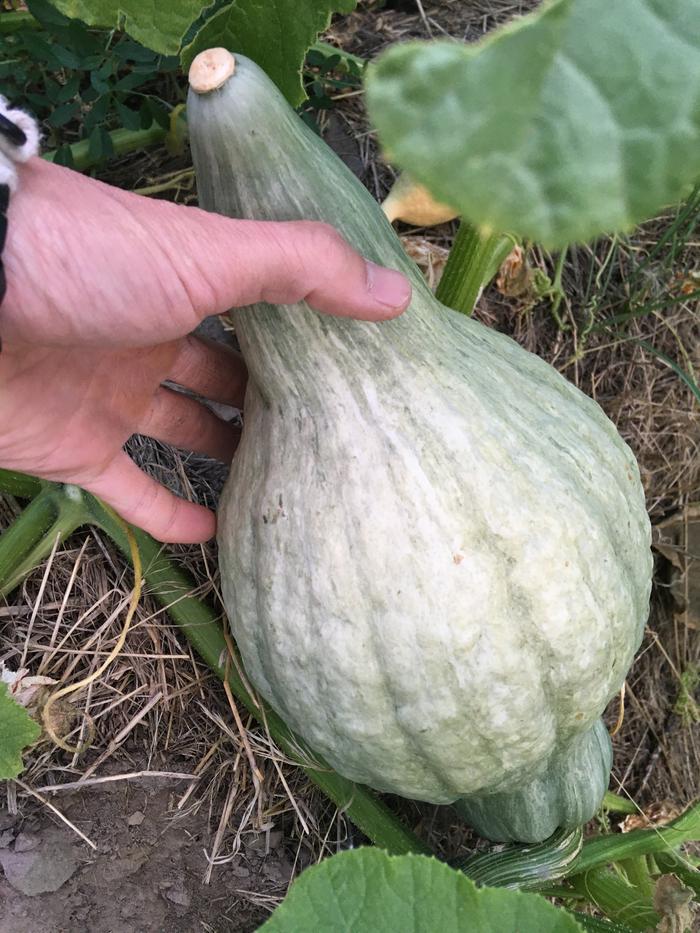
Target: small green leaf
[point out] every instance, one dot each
(577, 120)
(39, 49)
(68, 90)
(130, 81)
(87, 44)
(366, 890)
(130, 51)
(159, 113)
(130, 119)
(66, 57)
(100, 145)
(64, 156)
(46, 14)
(63, 114)
(38, 102)
(100, 84)
(158, 26)
(97, 113)
(695, 389)
(276, 35)
(17, 731)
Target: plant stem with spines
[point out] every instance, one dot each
(473, 261)
(54, 514)
(123, 142)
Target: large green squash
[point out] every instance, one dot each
(434, 549)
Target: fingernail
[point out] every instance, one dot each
(387, 287)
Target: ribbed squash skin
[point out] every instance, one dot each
(434, 549)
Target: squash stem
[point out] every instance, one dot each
(473, 261)
(123, 142)
(616, 804)
(619, 900)
(636, 871)
(602, 850)
(52, 516)
(60, 510)
(331, 51)
(19, 484)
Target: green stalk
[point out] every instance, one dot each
(601, 850)
(53, 515)
(616, 804)
(671, 863)
(595, 925)
(557, 292)
(636, 871)
(619, 900)
(20, 485)
(527, 866)
(538, 867)
(123, 142)
(473, 261)
(62, 509)
(330, 51)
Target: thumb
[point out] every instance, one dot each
(227, 263)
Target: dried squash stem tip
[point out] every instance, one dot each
(210, 70)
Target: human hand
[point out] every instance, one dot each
(103, 289)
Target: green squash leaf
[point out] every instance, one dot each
(158, 26)
(580, 119)
(366, 890)
(17, 730)
(276, 35)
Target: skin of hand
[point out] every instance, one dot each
(103, 290)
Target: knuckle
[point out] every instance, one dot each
(146, 496)
(326, 237)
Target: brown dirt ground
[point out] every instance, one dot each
(217, 853)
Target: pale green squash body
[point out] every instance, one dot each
(434, 549)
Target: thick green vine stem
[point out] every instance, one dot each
(601, 850)
(616, 804)
(51, 516)
(473, 261)
(58, 510)
(520, 866)
(20, 485)
(617, 898)
(123, 141)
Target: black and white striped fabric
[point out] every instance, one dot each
(19, 140)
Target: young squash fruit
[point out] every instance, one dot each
(434, 550)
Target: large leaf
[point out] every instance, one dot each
(158, 26)
(275, 34)
(17, 730)
(366, 890)
(580, 119)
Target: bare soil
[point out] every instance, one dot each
(144, 874)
